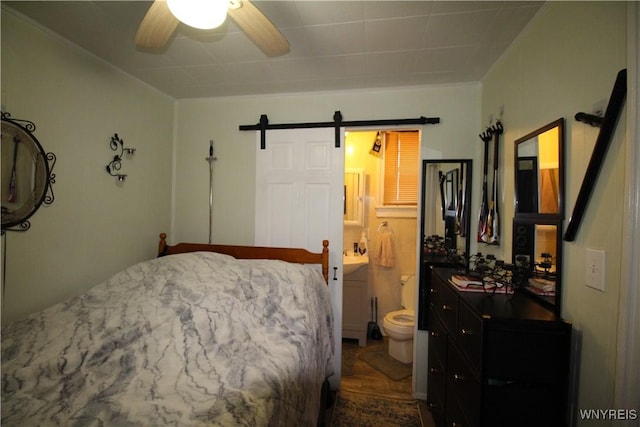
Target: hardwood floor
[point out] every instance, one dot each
(365, 379)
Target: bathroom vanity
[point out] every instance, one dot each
(355, 305)
(500, 360)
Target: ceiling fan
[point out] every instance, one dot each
(160, 22)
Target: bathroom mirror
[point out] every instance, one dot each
(537, 249)
(539, 178)
(445, 221)
(354, 197)
(26, 174)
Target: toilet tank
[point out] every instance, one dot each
(408, 295)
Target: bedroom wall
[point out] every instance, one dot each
(95, 227)
(200, 120)
(565, 62)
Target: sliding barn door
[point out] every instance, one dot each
(299, 202)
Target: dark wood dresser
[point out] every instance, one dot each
(500, 360)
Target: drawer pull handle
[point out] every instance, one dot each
(433, 405)
(458, 377)
(464, 331)
(446, 307)
(455, 424)
(433, 291)
(434, 370)
(434, 334)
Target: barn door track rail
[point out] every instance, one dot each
(263, 125)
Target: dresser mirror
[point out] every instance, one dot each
(445, 206)
(445, 221)
(354, 197)
(539, 183)
(539, 211)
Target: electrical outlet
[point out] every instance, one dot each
(595, 269)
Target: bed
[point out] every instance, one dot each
(201, 335)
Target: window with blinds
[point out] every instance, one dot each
(401, 173)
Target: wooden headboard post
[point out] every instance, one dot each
(325, 260)
(294, 255)
(162, 246)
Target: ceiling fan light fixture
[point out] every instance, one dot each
(202, 14)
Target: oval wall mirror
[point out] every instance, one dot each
(26, 174)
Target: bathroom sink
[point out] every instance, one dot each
(352, 263)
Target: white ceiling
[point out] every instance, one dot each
(334, 44)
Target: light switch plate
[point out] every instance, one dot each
(595, 269)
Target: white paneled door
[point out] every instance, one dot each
(299, 202)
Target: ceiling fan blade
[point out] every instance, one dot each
(259, 29)
(156, 27)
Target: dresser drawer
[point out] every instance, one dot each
(455, 417)
(469, 335)
(463, 385)
(435, 290)
(437, 337)
(436, 387)
(445, 305)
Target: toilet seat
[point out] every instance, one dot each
(402, 318)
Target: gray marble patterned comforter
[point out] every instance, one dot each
(190, 339)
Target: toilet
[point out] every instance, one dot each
(399, 325)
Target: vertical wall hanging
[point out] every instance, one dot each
(212, 158)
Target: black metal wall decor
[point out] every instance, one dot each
(607, 127)
(27, 176)
(263, 125)
(114, 166)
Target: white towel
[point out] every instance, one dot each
(386, 256)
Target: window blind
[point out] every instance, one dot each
(401, 168)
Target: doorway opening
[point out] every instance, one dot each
(382, 172)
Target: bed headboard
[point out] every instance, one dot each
(295, 255)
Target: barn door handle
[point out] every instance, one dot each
(335, 273)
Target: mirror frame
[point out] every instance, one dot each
(536, 218)
(41, 193)
(426, 261)
(561, 181)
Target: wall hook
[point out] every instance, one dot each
(590, 119)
